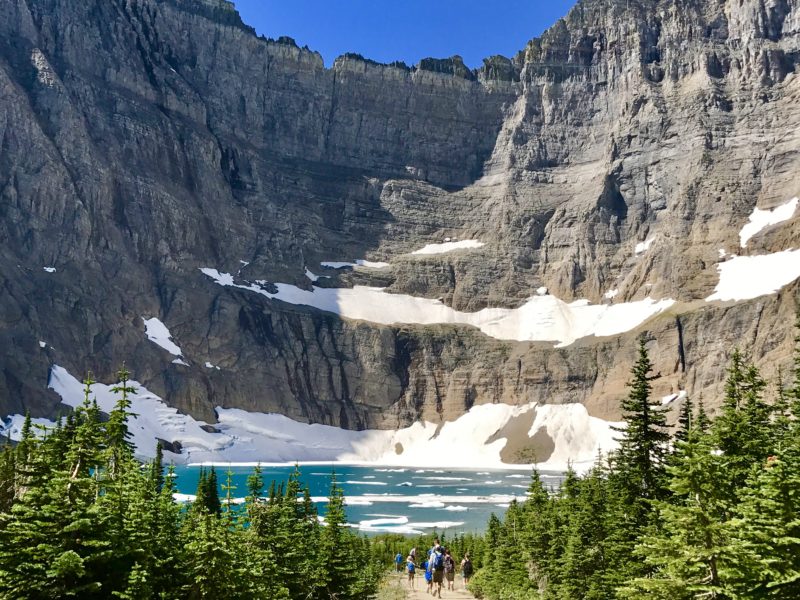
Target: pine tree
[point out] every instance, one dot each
(684, 421)
(742, 431)
(536, 532)
(795, 393)
(685, 553)
(213, 503)
(767, 530)
(118, 436)
(643, 446)
(157, 468)
(339, 566)
(702, 420)
(255, 484)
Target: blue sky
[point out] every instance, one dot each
(406, 30)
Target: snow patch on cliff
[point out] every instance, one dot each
(747, 277)
(761, 219)
(644, 246)
(542, 318)
(368, 264)
(158, 333)
(449, 246)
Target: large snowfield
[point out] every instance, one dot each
(250, 438)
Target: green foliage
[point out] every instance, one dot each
(80, 517)
(717, 517)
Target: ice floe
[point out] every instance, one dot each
(158, 333)
(761, 219)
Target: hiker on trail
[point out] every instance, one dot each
(413, 554)
(398, 561)
(436, 565)
(411, 568)
(449, 570)
(466, 568)
(428, 577)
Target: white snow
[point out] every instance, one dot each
(371, 264)
(356, 263)
(42, 344)
(746, 277)
(541, 291)
(247, 438)
(158, 333)
(13, 425)
(579, 438)
(50, 269)
(154, 418)
(541, 318)
(208, 365)
(670, 398)
(761, 219)
(643, 246)
(314, 277)
(611, 293)
(180, 361)
(722, 253)
(449, 246)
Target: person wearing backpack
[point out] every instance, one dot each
(411, 568)
(428, 576)
(398, 561)
(466, 568)
(436, 561)
(449, 570)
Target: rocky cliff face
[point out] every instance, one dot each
(142, 140)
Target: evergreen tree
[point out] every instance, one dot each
(335, 557)
(157, 468)
(643, 446)
(742, 431)
(702, 420)
(684, 421)
(767, 530)
(213, 503)
(686, 552)
(118, 436)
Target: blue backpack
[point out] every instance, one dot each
(410, 567)
(438, 561)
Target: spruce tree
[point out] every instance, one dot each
(157, 468)
(685, 553)
(742, 432)
(644, 441)
(766, 532)
(339, 565)
(684, 420)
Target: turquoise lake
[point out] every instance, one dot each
(392, 499)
